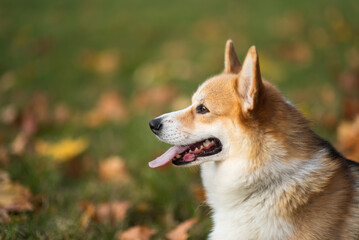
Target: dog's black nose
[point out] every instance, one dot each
(156, 125)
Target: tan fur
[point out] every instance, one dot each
(321, 203)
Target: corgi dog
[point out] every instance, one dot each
(266, 174)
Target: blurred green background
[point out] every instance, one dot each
(97, 71)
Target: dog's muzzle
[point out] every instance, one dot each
(156, 125)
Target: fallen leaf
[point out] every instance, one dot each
(180, 232)
(9, 114)
(348, 139)
(110, 107)
(18, 146)
(13, 197)
(104, 213)
(63, 150)
(113, 169)
(35, 113)
(137, 233)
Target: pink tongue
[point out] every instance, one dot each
(167, 156)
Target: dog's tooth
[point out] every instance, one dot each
(196, 149)
(206, 143)
(178, 156)
(190, 150)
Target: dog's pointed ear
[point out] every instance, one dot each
(231, 61)
(250, 81)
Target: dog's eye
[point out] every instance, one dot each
(201, 109)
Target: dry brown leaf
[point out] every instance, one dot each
(9, 114)
(110, 107)
(105, 213)
(111, 212)
(157, 96)
(137, 233)
(348, 139)
(18, 146)
(13, 197)
(180, 232)
(35, 113)
(113, 169)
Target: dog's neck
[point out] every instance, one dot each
(276, 177)
(276, 189)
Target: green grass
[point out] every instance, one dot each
(42, 44)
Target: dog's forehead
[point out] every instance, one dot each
(215, 86)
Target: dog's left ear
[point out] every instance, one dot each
(231, 61)
(250, 81)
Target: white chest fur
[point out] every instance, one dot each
(238, 211)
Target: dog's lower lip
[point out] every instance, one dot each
(202, 148)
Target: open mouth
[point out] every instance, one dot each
(203, 148)
(181, 155)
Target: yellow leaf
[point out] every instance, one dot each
(61, 151)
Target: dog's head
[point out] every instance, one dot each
(226, 117)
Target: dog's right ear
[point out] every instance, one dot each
(231, 61)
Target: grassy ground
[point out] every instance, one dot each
(74, 51)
